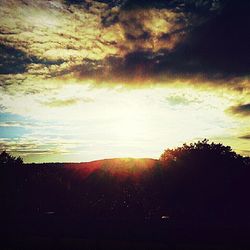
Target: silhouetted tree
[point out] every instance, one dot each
(8, 160)
(206, 180)
(199, 150)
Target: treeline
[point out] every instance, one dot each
(197, 183)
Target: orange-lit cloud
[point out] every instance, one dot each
(99, 40)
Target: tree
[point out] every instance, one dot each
(8, 160)
(201, 150)
(206, 179)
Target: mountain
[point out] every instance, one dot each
(118, 167)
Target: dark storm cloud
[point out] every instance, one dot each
(214, 43)
(177, 5)
(217, 49)
(243, 109)
(92, 69)
(220, 46)
(187, 15)
(12, 61)
(135, 66)
(192, 12)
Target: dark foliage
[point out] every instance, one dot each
(208, 182)
(197, 184)
(9, 160)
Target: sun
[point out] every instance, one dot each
(130, 124)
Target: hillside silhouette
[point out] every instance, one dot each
(195, 187)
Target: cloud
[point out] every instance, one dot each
(246, 137)
(175, 100)
(214, 49)
(12, 60)
(187, 5)
(2, 108)
(14, 124)
(120, 40)
(37, 146)
(61, 103)
(218, 48)
(48, 37)
(29, 125)
(242, 109)
(57, 103)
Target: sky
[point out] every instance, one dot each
(82, 80)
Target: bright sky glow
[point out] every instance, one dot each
(80, 123)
